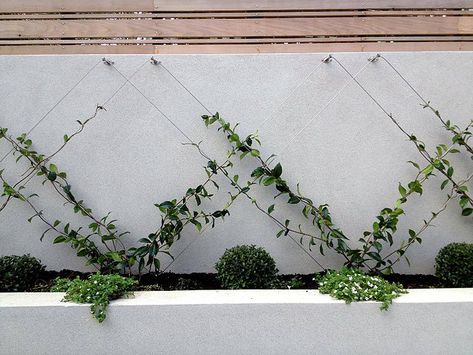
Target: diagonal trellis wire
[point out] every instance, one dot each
(57, 104)
(327, 104)
(190, 140)
(403, 78)
(291, 93)
(353, 77)
(127, 80)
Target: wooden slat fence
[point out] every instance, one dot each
(233, 26)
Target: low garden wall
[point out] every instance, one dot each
(427, 321)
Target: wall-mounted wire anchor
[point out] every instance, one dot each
(107, 61)
(374, 58)
(154, 61)
(327, 59)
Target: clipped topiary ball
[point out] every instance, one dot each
(454, 265)
(19, 273)
(246, 266)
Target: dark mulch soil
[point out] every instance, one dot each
(415, 281)
(203, 281)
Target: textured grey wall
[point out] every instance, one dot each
(337, 144)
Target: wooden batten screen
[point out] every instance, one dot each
(233, 26)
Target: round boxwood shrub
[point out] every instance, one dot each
(454, 265)
(246, 266)
(19, 273)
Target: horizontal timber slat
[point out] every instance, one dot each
(222, 49)
(10, 6)
(273, 27)
(236, 40)
(157, 15)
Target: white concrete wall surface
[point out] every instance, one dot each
(327, 133)
(428, 321)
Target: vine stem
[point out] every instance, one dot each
(369, 241)
(39, 214)
(426, 103)
(453, 194)
(36, 165)
(253, 201)
(422, 151)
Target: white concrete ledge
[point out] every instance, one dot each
(427, 321)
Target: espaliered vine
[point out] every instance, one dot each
(370, 255)
(175, 214)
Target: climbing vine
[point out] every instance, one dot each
(114, 256)
(326, 235)
(102, 242)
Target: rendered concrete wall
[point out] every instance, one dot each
(338, 145)
(239, 322)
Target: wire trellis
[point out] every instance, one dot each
(129, 80)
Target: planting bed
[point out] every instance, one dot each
(207, 281)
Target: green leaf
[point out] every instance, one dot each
(414, 164)
(270, 209)
(164, 206)
(402, 190)
(294, 200)
(255, 153)
(428, 170)
(277, 171)
(60, 239)
(467, 211)
(108, 237)
(306, 210)
(115, 256)
(269, 180)
(444, 183)
(53, 168)
(450, 171)
(197, 224)
(157, 264)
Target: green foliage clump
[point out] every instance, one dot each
(97, 289)
(19, 273)
(454, 265)
(246, 266)
(353, 285)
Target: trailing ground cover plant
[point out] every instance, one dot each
(98, 290)
(352, 285)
